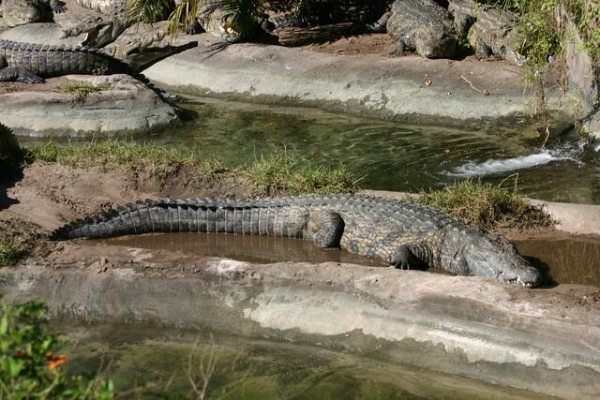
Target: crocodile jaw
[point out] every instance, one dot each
(495, 257)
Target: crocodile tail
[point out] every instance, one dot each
(124, 220)
(266, 217)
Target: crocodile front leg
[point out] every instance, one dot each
(412, 256)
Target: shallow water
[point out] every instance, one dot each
(572, 260)
(389, 156)
(152, 358)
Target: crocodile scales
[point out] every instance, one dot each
(27, 62)
(404, 234)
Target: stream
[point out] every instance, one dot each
(387, 155)
(159, 362)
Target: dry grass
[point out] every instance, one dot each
(488, 206)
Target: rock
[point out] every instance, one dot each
(124, 105)
(424, 26)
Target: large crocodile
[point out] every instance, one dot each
(31, 63)
(405, 235)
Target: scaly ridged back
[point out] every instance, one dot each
(285, 216)
(49, 61)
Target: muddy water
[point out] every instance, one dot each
(152, 359)
(568, 260)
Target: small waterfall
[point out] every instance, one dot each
(500, 166)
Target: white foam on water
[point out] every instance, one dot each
(492, 167)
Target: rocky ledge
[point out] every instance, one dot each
(123, 105)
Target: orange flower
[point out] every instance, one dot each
(57, 361)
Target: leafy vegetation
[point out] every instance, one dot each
(158, 161)
(486, 205)
(545, 30)
(10, 252)
(29, 366)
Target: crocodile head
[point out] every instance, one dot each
(140, 56)
(493, 256)
(141, 50)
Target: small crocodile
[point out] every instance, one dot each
(31, 63)
(489, 30)
(110, 7)
(403, 234)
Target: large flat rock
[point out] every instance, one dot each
(123, 106)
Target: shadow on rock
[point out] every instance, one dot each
(547, 280)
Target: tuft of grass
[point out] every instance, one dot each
(10, 252)
(281, 173)
(486, 205)
(80, 90)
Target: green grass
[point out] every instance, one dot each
(281, 173)
(486, 205)
(10, 252)
(159, 161)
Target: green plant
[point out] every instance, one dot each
(149, 11)
(10, 252)
(545, 33)
(486, 205)
(277, 174)
(29, 368)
